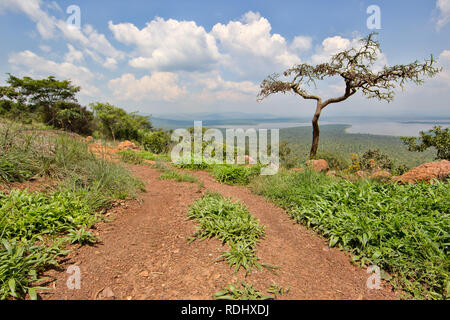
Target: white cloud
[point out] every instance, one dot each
(36, 66)
(45, 48)
(444, 13)
(158, 86)
(333, 45)
(44, 23)
(214, 87)
(47, 26)
(250, 42)
(330, 46)
(444, 62)
(168, 45)
(301, 43)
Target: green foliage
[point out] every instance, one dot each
(24, 215)
(180, 177)
(130, 156)
(336, 161)
(247, 292)
(115, 123)
(437, 138)
(234, 174)
(277, 290)
(404, 229)
(193, 163)
(156, 142)
(20, 264)
(82, 236)
(88, 184)
(336, 141)
(372, 159)
(71, 116)
(53, 101)
(231, 223)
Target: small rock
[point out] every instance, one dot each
(144, 273)
(318, 165)
(107, 293)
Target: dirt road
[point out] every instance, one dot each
(143, 253)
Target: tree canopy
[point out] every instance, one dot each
(356, 67)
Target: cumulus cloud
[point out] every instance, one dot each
(301, 44)
(45, 24)
(214, 87)
(33, 65)
(444, 13)
(168, 45)
(444, 61)
(158, 86)
(251, 40)
(332, 45)
(49, 27)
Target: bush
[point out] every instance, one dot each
(231, 223)
(156, 142)
(335, 161)
(436, 138)
(375, 159)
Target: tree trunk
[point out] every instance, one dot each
(316, 132)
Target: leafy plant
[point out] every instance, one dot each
(234, 174)
(437, 138)
(231, 223)
(403, 229)
(20, 263)
(180, 177)
(246, 292)
(374, 160)
(82, 236)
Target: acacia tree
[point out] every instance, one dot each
(356, 67)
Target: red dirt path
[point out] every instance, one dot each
(144, 254)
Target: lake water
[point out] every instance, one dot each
(389, 128)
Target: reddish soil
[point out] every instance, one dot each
(144, 254)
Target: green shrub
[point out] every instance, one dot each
(404, 229)
(156, 142)
(335, 160)
(233, 174)
(20, 264)
(436, 138)
(130, 156)
(180, 177)
(374, 159)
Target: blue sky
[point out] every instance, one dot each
(170, 56)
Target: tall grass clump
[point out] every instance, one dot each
(403, 229)
(231, 223)
(234, 174)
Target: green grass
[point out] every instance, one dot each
(138, 157)
(404, 229)
(234, 174)
(34, 226)
(245, 291)
(241, 291)
(231, 223)
(180, 177)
